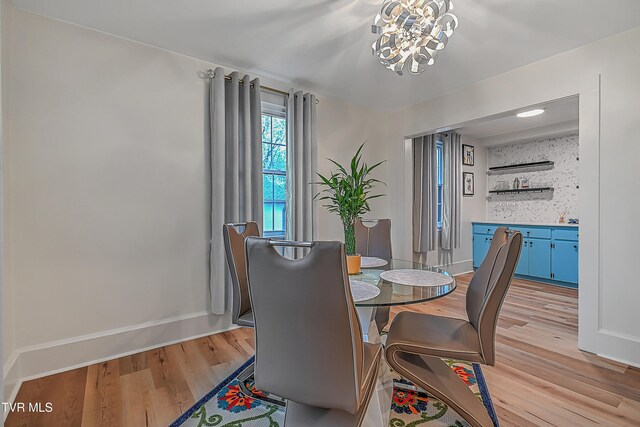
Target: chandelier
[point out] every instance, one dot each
(412, 32)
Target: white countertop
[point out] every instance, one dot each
(539, 224)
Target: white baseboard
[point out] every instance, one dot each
(40, 360)
(11, 381)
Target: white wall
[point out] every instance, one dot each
(105, 194)
(605, 75)
(342, 128)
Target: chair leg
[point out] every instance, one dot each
(244, 376)
(247, 374)
(438, 380)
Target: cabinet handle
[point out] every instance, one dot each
(575, 246)
(530, 244)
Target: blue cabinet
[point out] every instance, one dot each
(481, 245)
(549, 254)
(565, 256)
(539, 258)
(522, 268)
(535, 259)
(565, 261)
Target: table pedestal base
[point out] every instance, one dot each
(379, 409)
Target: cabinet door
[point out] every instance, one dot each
(523, 263)
(565, 261)
(540, 258)
(481, 245)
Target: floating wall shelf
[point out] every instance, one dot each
(507, 168)
(522, 190)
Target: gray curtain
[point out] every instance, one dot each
(302, 148)
(425, 194)
(235, 148)
(451, 191)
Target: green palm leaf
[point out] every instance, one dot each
(347, 193)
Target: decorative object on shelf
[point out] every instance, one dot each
(574, 221)
(347, 193)
(524, 183)
(516, 184)
(468, 184)
(411, 33)
(561, 219)
(467, 155)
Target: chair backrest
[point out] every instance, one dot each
(234, 249)
(309, 345)
(373, 238)
(489, 287)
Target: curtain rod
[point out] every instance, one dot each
(210, 73)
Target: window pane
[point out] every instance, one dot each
(268, 216)
(274, 157)
(280, 188)
(439, 160)
(440, 205)
(279, 158)
(279, 130)
(267, 187)
(267, 156)
(279, 216)
(266, 128)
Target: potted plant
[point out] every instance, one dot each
(347, 193)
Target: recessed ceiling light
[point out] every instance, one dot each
(531, 113)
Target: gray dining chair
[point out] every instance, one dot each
(241, 313)
(234, 235)
(309, 345)
(373, 239)
(416, 343)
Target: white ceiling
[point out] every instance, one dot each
(325, 45)
(559, 116)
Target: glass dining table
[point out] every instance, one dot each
(393, 293)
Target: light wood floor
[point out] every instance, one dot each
(540, 379)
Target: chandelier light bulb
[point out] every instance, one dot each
(412, 32)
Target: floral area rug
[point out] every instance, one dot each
(227, 406)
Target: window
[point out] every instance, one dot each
(439, 167)
(274, 174)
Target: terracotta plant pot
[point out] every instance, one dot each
(353, 264)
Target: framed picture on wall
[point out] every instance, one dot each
(468, 184)
(467, 155)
